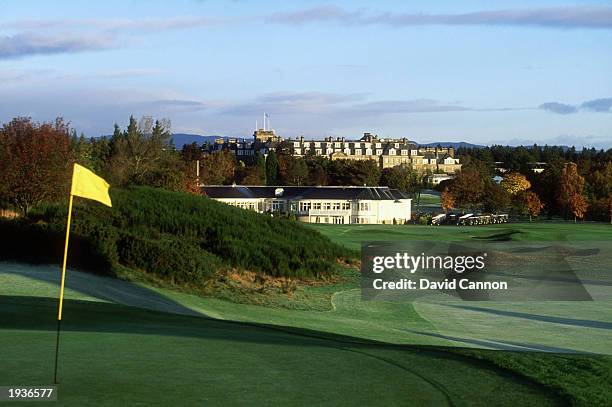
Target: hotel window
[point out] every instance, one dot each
(337, 145)
(404, 152)
(318, 151)
(346, 206)
(296, 144)
(364, 206)
(327, 206)
(367, 145)
(336, 206)
(396, 145)
(317, 144)
(358, 151)
(347, 151)
(369, 151)
(278, 205)
(413, 152)
(378, 145)
(391, 151)
(316, 205)
(379, 152)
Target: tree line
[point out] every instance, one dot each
(560, 190)
(36, 158)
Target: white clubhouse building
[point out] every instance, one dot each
(328, 204)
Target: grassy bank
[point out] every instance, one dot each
(174, 238)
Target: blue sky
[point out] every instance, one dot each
(478, 71)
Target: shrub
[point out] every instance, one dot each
(178, 237)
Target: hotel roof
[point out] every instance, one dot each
(307, 192)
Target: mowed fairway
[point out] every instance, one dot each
(117, 355)
(352, 235)
(551, 326)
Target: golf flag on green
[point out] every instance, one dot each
(88, 185)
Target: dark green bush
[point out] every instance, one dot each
(178, 237)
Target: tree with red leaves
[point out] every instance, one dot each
(35, 162)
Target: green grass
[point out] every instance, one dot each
(352, 351)
(584, 379)
(117, 355)
(352, 235)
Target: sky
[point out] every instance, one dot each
(485, 72)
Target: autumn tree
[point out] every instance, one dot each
(570, 191)
(495, 198)
(530, 204)
(578, 206)
(515, 183)
(218, 168)
(468, 189)
(35, 162)
(447, 200)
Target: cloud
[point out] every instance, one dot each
(115, 24)
(560, 108)
(322, 98)
(603, 105)
(294, 102)
(60, 36)
(179, 105)
(28, 44)
(407, 106)
(128, 73)
(598, 105)
(553, 17)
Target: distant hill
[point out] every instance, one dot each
(454, 144)
(180, 139)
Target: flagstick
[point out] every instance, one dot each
(61, 296)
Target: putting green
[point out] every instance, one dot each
(117, 355)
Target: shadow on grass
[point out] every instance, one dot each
(501, 345)
(104, 288)
(541, 318)
(39, 313)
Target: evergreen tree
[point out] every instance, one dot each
(260, 165)
(271, 168)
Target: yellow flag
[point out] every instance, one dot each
(88, 185)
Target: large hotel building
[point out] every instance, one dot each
(386, 152)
